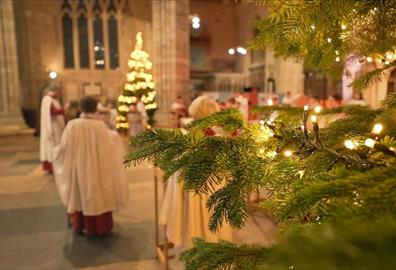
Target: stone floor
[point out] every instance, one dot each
(34, 233)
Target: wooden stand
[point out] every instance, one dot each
(161, 248)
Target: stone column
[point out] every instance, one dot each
(10, 106)
(171, 54)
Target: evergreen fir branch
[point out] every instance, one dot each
(371, 77)
(229, 120)
(224, 255)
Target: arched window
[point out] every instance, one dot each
(68, 54)
(113, 35)
(83, 41)
(67, 32)
(98, 36)
(76, 20)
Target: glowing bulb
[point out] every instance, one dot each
(196, 25)
(369, 59)
(196, 19)
(369, 143)
(53, 75)
(329, 40)
(231, 51)
(313, 27)
(302, 127)
(389, 56)
(306, 107)
(270, 134)
(288, 153)
(270, 102)
(377, 129)
(386, 62)
(337, 59)
(343, 26)
(241, 50)
(262, 122)
(314, 118)
(272, 154)
(96, 48)
(317, 109)
(349, 144)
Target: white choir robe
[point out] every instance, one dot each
(51, 128)
(186, 216)
(88, 168)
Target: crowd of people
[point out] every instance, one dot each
(81, 148)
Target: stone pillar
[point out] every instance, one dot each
(171, 54)
(10, 105)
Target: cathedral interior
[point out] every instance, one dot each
(82, 47)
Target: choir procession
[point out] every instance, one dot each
(197, 134)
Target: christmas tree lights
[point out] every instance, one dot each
(139, 84)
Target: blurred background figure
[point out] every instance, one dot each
(72, 110)
(178, 110)
(357, 99)
(103, 111)
(134, 121)
(112, 113)
(140, 107)
(51, 126)
(287, 100)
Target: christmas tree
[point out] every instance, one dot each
(139, 84)
(332, 186)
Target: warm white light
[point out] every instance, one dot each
(386, 62)
(262, 122)
(350, 144)
(369, 59)
(317, 109)
(302, 127)
(314, 118)
(241, 50)
(196, 25)
(96, 48)
(369, 143)
(270, 102)
(270, 134)
(231, 51)
(337, 59)
(196, 19)
(313, 27)
(288, 153)
(377, 129)
(329, 40)
(306, 107)
(261, 151)
(343, 26)
(272, 154)
(53, 75)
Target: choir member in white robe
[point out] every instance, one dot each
(52, 123)
(184, 213)
(89, 172)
